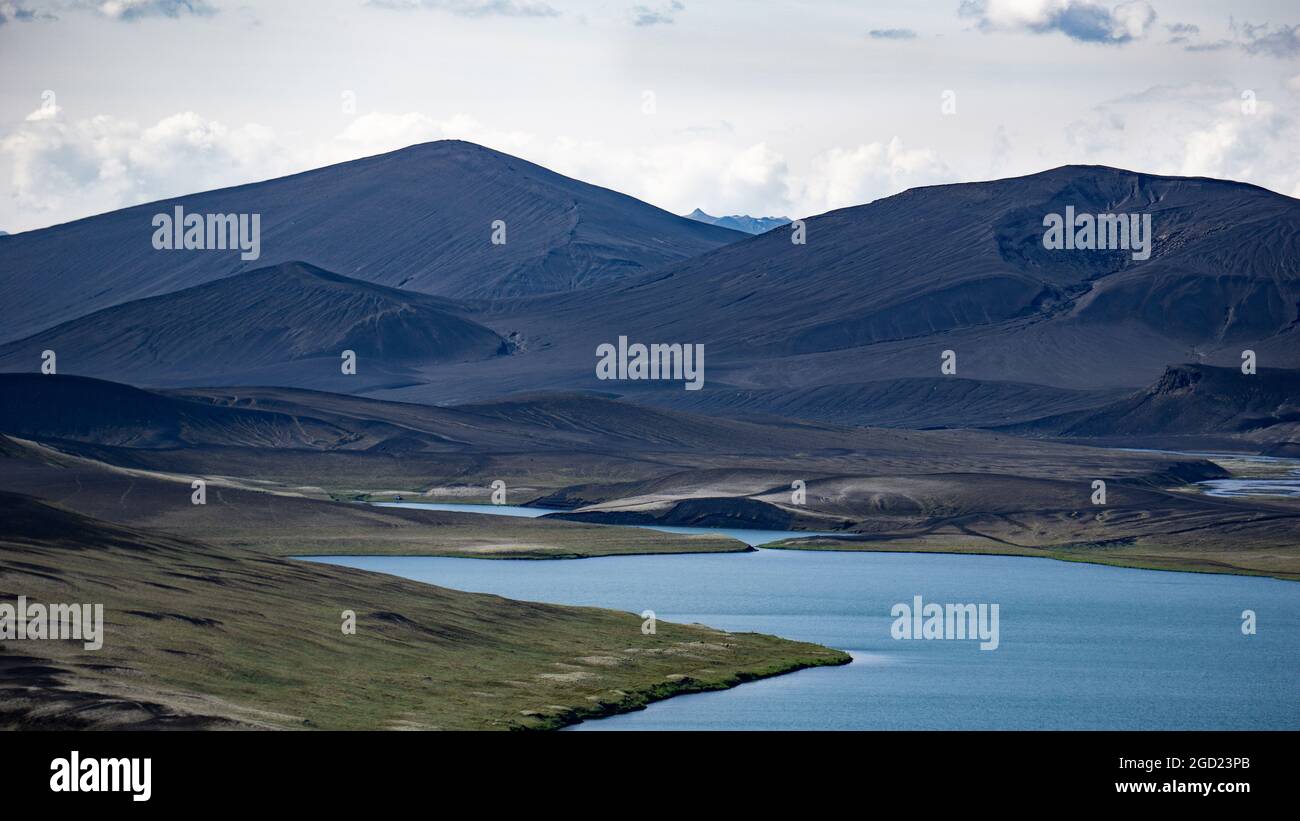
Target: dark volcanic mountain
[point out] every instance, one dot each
(419, 219)
(286, 323)
(848, 327)
(891, 284)
(1192, 399)
(879, 291)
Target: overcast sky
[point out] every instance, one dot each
(735, 106)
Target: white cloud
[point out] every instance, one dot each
(728, 176)
(380, 132)
(843, 177)
(10, 12)
(123, 10)
(892, 34)
(1282, 41)
(376, 133)
(1082, 20)
(63, 170)
(45, 112)
(128, 10)
(711, 170)
(656, 16)
(724, 175)
(475, 8)
(1195, 130)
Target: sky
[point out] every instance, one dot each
(761, 107)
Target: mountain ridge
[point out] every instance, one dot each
(880, 290)
(1190, 399)
(419, 218)
(740, 222)
(278, 317)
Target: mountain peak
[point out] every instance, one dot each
(1077, 174)
(740, 222)
(448, 218)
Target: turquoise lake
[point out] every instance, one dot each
(1080, 646)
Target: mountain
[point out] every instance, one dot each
(282, 324)
(849, 327)
(740, 222)
(880, 291)
(1188, 400)
(420, 219)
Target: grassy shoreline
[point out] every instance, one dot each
(1175, 564)
(661, 692)
(204, 636)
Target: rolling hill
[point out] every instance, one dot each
(279, 324)
(1191, 400)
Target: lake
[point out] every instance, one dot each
(1253, 487)
(1080, 646)
(1281, 475)
(748, 536)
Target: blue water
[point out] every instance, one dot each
(749, 537)
(1081, 646)
(1253, 487)
(1284, 485)
(489, 510)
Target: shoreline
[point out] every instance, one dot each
(1206, 567)
(635, 701)
(848, 543)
